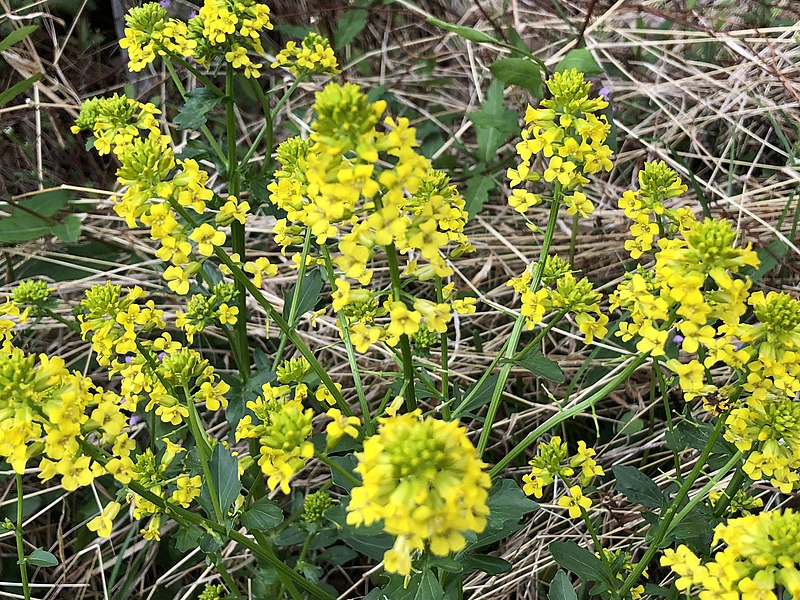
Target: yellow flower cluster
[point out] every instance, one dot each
(46, 412)
(313, 55)
(761, 558)
(370, 189)
(203, 310)
(283, 432)
(692, 285)
(561, 291)
(222, 28)
(569, 137)
(552, 461)
(156, 182)
(116, 121)
(645, 207)
(423, 479)
(149, 33)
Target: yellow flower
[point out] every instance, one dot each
(104, 522)
(575, 502)
(207, 238)
(340, 426)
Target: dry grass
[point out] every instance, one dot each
(711, 92)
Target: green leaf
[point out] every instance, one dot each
(541, 366)
(69, 231)
(188, 538)
(507, 502)
(493, 123)
(493, 565)
(346, 463)
(199, 102)
(18, 88)
(16, 36)
(520, 72)
(46, 204)
(338, 555)
(445, 563)
(579, 561)
(468, 33)
(476, 193)
(561, 588)
(629, 423)
(22, 227)
(475, 397)
(41, 558)
(580, 59)
(262, 515)
(310, 288)
(429, 588)
(637, 487)
(769, 257)
(225, 473)
(349, 26)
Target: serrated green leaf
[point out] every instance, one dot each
(18, 88)
(493, 565)
(637, 487)
(310, 288)
(349, 26)
(580, 59)
(541, 366)
(468, 33)
(69, 231)
(520, 72)
(561, 588)
(41, 558)
(16, 36)
(476, 193)
(507, 502)
(194, 114)
(579, 561)
(262, 515)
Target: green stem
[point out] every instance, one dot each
(206, 81)
(203, 452)
(301, 273)
(237, 229)
(21, 560)
(540, 336)
(240, 276)
(226, 578)
(204, 129)
(445, 360)
(562, 416)
(598, 546)
(184, 517)
(269, 119)
(665, 523)
(505, 369)
(730, 491)
(71, 324)
(331, 464)
(703, 493)
(369, 427)
(405, 344)
(573, 238)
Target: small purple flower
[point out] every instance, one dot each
(605, 92)
(135, 420)
(161, 355)
(129, 359)
(192, 14)
(166, 3)
(677, 338)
